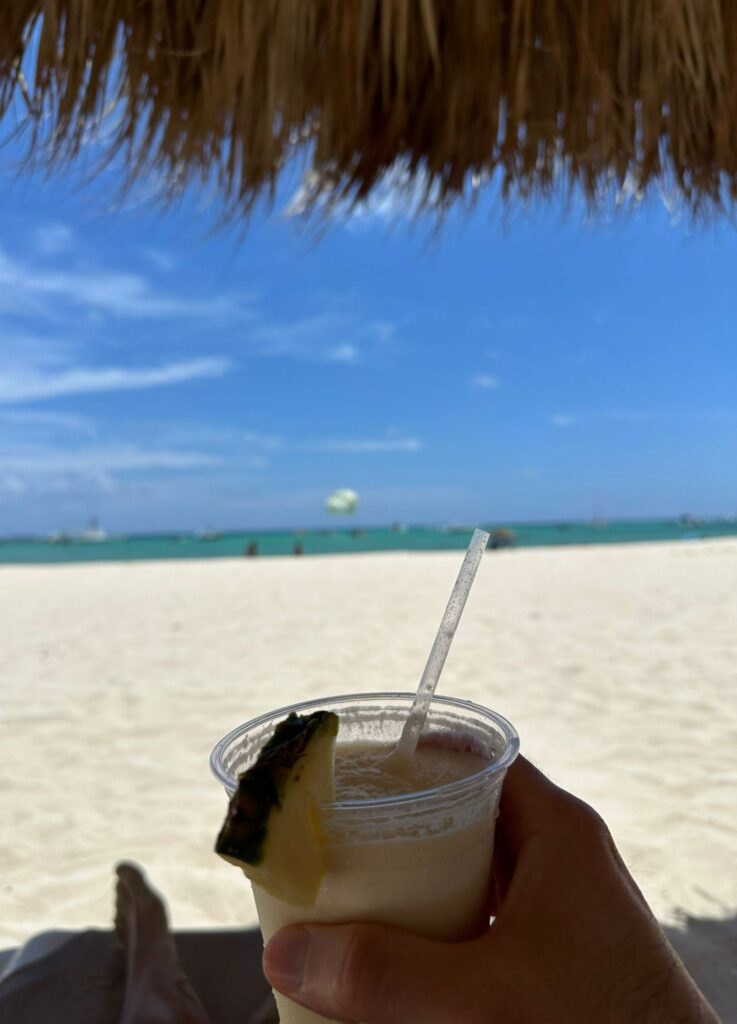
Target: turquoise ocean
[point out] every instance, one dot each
(352, 540)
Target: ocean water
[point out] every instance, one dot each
(354, 540)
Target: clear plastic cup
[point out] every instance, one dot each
(421, 861)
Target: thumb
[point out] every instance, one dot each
(376, 974)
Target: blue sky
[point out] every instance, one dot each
(162, 374)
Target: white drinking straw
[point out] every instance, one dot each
(405, 748)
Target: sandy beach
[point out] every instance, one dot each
(616, 664)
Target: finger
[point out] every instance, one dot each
(375, 974)
(502, 870)
(530, 804)
(524, 810)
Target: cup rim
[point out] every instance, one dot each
(509, 732)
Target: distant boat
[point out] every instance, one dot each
(398, 528)
(689, 520)
(207, 536)
(458, 528)
(94, 532)
(59, 537)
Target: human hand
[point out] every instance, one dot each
(572, 941)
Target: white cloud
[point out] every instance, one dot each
(234, 440)
(345, 353)
(52, 239)
(485, 381)
(397, 196)
(13, 486)
(268, 441)
(28, 349)
(615, 415)
(51, 421)
(334, 337)
(389, 204)
(193, 433)
(383, 331)
(21, 385)
(160, 260)
(95, 460)
(528, 473)
(114, 293)
(293, 338)
(358, 446)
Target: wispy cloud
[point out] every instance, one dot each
(641, 416)
(33, 385)
(398, 196)
(13, 486)
(117, 294)
(55, 487)
(90, 470)
(123, 458)
(392, 201)
(390, 442)
(382, 331)
(295, 337)
(359, 446)
(617, 416)
(233, 441)
(230, 437)
(52, 239)
(485, 382)
(334, 337)
(29, 349)
(345, 353)
(160, 260)
(48, 421)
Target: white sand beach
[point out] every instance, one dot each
(616, 664)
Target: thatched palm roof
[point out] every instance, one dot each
(600, 94)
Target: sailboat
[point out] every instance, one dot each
(94, 533)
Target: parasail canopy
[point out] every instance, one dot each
(342, 502)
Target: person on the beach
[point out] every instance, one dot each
(573, 939)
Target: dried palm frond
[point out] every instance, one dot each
(603, 95)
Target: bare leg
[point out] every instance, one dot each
(157, 991)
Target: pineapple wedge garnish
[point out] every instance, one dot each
(272, 828)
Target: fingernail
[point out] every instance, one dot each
(285, 957)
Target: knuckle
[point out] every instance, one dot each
(587, 822)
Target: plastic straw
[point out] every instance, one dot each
(405, 748)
